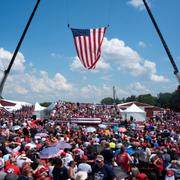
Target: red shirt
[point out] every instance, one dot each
(13, 169)
(122, 160)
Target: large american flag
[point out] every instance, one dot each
(88, 45)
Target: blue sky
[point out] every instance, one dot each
(47, 69)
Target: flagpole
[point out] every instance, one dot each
(176, 71)
(114, 95)
(6, 72)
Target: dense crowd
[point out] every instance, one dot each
(67, 110)
(50, 150)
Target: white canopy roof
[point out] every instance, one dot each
(38, 107)
(134, 108)
(18, 105)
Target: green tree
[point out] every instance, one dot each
(107, 101)
(131, 98)
(147, 98)
(175, 101)
(45, 104)
(164, 99)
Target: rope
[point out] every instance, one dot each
(67, 10)
(109, 7)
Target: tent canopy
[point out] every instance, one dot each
(135, 112)
(134, 108)
(38, 107)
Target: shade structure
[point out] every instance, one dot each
(63, 145)
(2, 139)
(49, 152)
(102, 126)
(30, 146)
(120, 173)
(122, 129)
(90, 129)
(16, 127)
(134, 112)
(42, 134)
(130, 151)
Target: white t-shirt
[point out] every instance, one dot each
(85, 167)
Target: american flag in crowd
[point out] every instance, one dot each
(88, 45)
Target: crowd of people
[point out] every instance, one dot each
(67, 110)
(35, 149)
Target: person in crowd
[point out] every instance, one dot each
(107, 154)
(60, 172)
(12, 167)
(124, 160)
(175, 167)
(102, 171)
(84, 166)
(72, 170)
(2, 173)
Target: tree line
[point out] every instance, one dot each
(163, 100)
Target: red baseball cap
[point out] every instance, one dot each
(142, 176)
(63, 153)
(84, 157)
(170, 173)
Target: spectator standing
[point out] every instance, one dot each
(102, 171)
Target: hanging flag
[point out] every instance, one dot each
(88, 45)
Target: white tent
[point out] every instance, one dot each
(38, 107)
(17, 105)
(135, 112)
(38, 110)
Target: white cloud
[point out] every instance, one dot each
(150, 66)
(157, 78)
(124, 58)
(141, 44)
(137, 87)
(97, 93)
(45, 84)
(21, 90)
(107, 77)
(137, 4)
(84, 78)
(115, 51)
(5, 57)
(33, 83)
(77, 65)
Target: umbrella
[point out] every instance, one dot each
(136, 143)
(165, 133)
(63, 145)
(115, 128)
(130, 151)
(49, 152)
(120, 174)
(122, 129)
(103, 126)
(41, 135)
(30, 146)
(90, 129)
(16, 127)
(2, 139)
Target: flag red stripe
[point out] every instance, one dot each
(90, 50)
(86, 53)
(77, 49)
(94, 39)
(81, 51)
(75, 42)
(99, 39)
